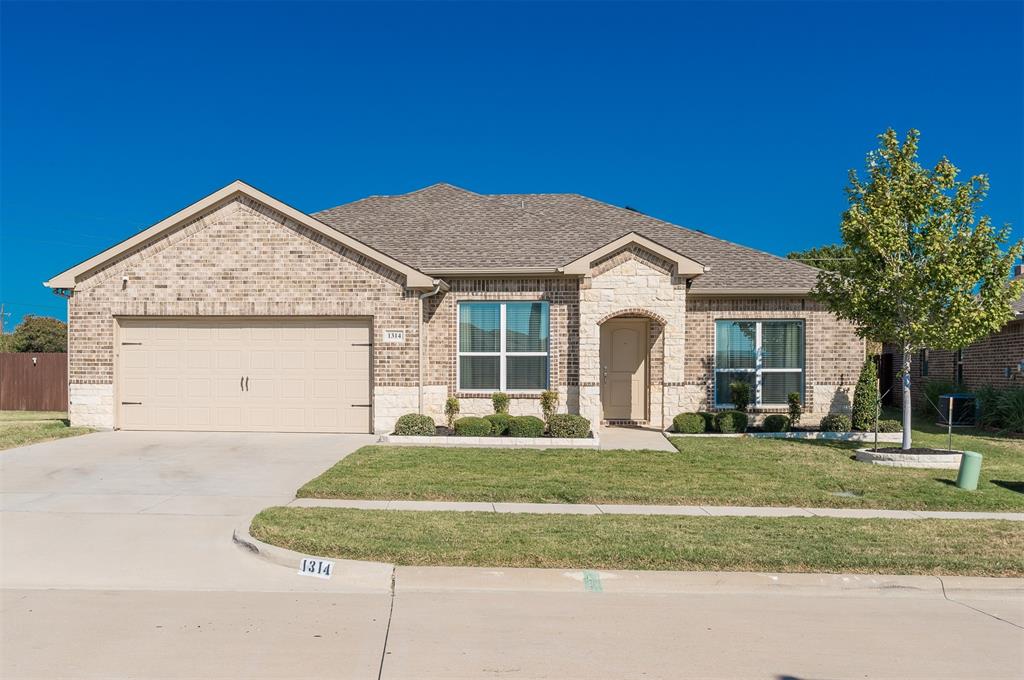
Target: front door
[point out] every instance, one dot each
(624, 369)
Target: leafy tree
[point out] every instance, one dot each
(822, 257)
(865, 397)
(920, 270)
(40, 334)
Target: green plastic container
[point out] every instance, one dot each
(970, 468)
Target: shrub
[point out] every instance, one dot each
(740, 392)
(689, 423)
(500, 401)
(729, 422)
(39, 334)
(890, 426)
(796, 409)
(548, 404)
(526, 426)
(709, 420)
(930, 403)
(1010, 409)
(835, 422)
(451, 411)
(865, 397)
(472, 427)
(499, 423)
(415, 425)
(775, 423)
(569, 426)
(987, 401)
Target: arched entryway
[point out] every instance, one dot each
(629, 342)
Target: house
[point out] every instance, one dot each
(996, 360)
(242, 313)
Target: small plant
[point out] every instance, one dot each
(740, 392)
(472, 427)
(451, 411)
(500, 401)
(865, 398)
(548, 404)
(709, 420)
(890, 426)
(729, 422)
(569, 426)
(1010, 408)
(499, 423)
(775, 423)
(689, 423)
(526, 426)
(415, 425)
(796, 409)
(835, 422)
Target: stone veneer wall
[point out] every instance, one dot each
(834, 352)
(242, 259)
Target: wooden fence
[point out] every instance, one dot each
(33, 382)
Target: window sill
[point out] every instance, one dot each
(521, 394)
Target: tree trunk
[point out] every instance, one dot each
(905, 380)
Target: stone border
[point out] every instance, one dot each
(591, 442)
(887, 437)
(938, 461)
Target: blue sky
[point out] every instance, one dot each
(739, 119)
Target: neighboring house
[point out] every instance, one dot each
(994, 361)
(242, 313)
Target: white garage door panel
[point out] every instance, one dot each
(270, 374)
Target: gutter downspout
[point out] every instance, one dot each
(439, 285)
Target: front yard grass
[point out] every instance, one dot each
(758, 472)
(792, 544)
(19, 428)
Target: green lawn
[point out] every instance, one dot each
(980, 548)
(18, 428)
(705, 472)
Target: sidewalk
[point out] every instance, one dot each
(613, 509)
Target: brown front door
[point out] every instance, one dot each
(624, 369)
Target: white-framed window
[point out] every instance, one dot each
(767, 354)
(503, 346)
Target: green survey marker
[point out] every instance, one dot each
(591, 582)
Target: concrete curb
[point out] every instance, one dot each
(291, 559)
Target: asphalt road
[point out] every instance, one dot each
(116, 561)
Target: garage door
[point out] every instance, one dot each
(265, 374)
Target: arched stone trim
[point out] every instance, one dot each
(634, 311)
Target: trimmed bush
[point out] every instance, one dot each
(472, 427)
(499, 423)
(548, 404)
(451, 411)
(569, 426)
(729, 422)
(500, 402)
(415, 425)
(775, 423)
(526, 426)
(689, 423)
(835, 422)
(740, 392)
(1010, 409)
(709, 420)
(890, 426)
(796, 409)
(865, 397)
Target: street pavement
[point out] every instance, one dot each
(116, 561)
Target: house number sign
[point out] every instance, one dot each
(394, 336)
(313, 566)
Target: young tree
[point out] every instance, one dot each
(920, 270)
(40, 334)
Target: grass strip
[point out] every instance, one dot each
(796, 544)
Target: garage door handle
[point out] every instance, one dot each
(241, 384)
(131, 403)
(246, 383)
(361, 405)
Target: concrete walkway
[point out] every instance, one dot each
(615, 509)
(634, 439)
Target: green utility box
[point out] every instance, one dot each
(970, 468)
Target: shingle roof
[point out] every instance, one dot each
(443, 227)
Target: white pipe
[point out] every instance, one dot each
(438, 285)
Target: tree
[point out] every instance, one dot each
(822, 257)
(920, 269)
(865, 397)
(40, 334)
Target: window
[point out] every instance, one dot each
(923, 360)
(503, 346)
(767, 354)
